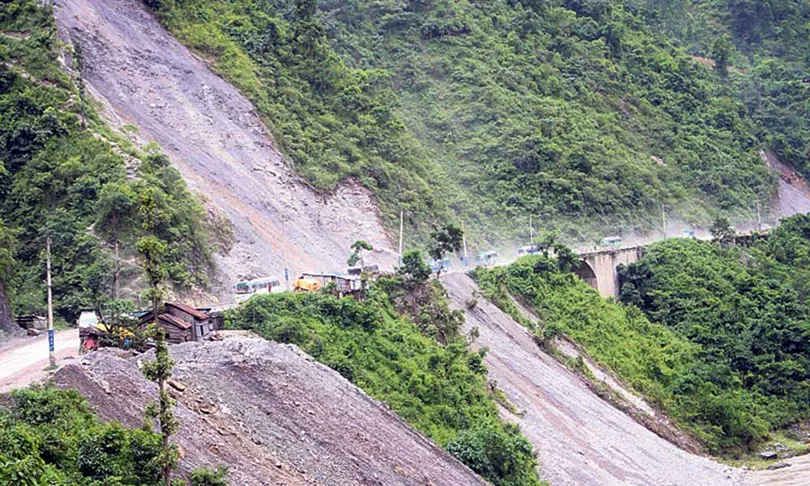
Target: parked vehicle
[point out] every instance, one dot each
(611, 241)
(527, 250)
(246, 289)
(436, 265)
(486, 258)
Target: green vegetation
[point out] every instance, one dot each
(766, 44)
(747, 309)
(51, 437)
(716, 336)
(573, 111)
(154, 253)
(669, 370)
(442, 390)
(63, 174)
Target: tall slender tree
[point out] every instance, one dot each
(153, 252)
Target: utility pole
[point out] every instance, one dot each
(284, 256)
(531, 231)
(51, 355)
(664, 219)
(759, 216)
(464, 242)
(401, 226)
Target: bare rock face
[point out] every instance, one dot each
(143, 76)
(272, 415)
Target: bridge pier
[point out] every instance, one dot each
(599, 268)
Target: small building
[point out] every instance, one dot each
(345, 284)
(182, 323)
(32, 322)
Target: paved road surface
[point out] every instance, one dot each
(24, 361)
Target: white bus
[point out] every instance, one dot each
(246, 289)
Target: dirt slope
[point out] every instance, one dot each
(579, 438)
(144, 77)
(793, 193)
(273, 414)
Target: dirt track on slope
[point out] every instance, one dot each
(145, 77)
(273, 415)
(579, 438)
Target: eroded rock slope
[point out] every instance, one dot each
(272, 414)
(144, 77)
(579, 438)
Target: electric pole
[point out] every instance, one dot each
(664, 219)
(401, 225)
(759, 216)
(531, 231)
(464, 242)
(51, 355)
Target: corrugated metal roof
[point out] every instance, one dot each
(176, 321)
(189, 310)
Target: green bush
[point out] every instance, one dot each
(50, 436)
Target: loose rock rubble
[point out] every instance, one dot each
(271, 414)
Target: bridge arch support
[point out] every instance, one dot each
(599, 269)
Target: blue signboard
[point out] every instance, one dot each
(50, 339)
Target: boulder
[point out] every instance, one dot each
(768, 455)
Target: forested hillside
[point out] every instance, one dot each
(762, 48)
(717, 337)
(571, 111)
(64, 176)
(747, 310)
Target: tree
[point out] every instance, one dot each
(447, 239)
(153, 252)
(7, 243)
(721, 230)
(115, 207)
(358, 247)
(413, 268)
(720, 53)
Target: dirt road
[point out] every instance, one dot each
(24, 360)
(273, 415)
(144, 77)
(579, 438)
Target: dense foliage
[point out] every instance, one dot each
(61, 176)
(440, 390)
(567, 110)
(681, 376)
(766, 43)
(51, 437)
(747, 309)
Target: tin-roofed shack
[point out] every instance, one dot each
(182, 323)
(345, 284)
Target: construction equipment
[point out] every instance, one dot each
(303, 284)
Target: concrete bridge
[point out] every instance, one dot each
(599, 267)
